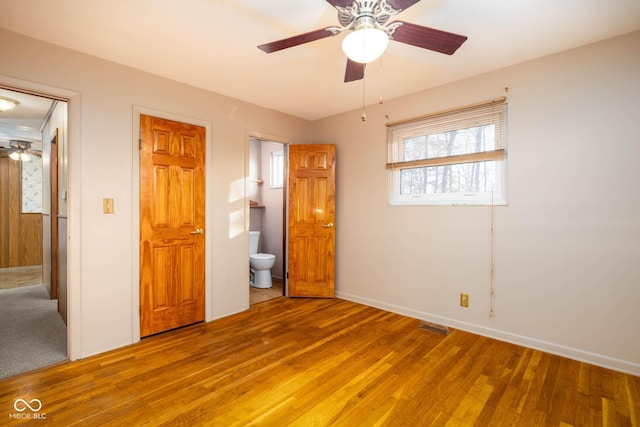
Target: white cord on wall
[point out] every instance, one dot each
(492, 273)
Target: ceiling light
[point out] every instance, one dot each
(7, 104)
(20, 155)
(365, 45)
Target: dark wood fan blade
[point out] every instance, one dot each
(295, 40)
(34, 153)
(341, 3)
(355, 71)
(428, 38)
(400, 5)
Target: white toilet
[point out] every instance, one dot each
(260, 264)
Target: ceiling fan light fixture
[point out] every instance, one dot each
(365, 45)
(7, 104)
(20, 156)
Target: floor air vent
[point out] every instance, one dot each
(434, 327)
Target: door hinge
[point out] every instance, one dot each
(140, 309)
(139, 144)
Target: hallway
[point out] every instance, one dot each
(32, 333)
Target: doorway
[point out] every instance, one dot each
(266, 192)
(33, 221)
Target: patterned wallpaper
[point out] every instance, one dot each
(32, 185)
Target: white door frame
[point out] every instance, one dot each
(253, 134)
(74, 312)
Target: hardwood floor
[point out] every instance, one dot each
(17, 277)
(323, 362)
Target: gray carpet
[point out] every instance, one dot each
(32, 333)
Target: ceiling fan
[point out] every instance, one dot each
(18, 150)
(367, 19)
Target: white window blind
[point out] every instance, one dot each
(454, 136)
(449, 157)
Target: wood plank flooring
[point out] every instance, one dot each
(321, 362)
(17, 277)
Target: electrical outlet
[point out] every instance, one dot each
(464, 300)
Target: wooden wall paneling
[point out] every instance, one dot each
(46, 253)
(21, 234)
(4, 212)
(30, 239)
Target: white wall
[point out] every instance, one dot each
(273, 200)
(103, 252)
(567, 251)
(567, 246)
(254, 190)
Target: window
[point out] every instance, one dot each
(456, 157)
(277, 169)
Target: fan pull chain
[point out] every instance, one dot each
(363, 116)
(381, 98)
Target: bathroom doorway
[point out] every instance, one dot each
(266, 192)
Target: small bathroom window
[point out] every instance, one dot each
(277, 169)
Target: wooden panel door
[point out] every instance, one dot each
(53, 216)
(312, 198)
(172, 212)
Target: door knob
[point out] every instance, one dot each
(197, 231)
(330, 225)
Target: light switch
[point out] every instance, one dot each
(107, 206)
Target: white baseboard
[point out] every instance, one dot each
(546, 346)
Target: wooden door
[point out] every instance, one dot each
(312, 198)
(53, 216)
(172, 212)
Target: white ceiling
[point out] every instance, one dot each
(212, 43)
(25, 120)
